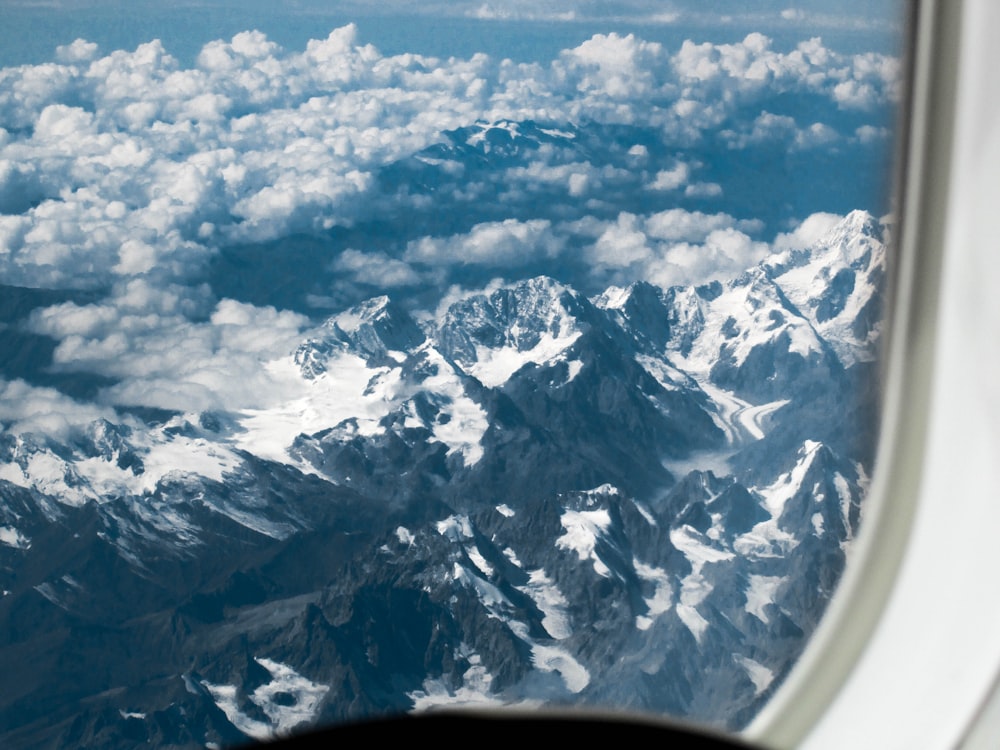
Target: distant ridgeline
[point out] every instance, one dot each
(639, 499)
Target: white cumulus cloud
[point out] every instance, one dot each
(505, 243)
(126, 173)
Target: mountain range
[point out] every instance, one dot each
(640, 499)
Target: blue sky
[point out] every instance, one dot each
(589, 8)
(31, 29)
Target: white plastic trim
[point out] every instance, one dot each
(909, 654)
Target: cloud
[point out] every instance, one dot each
(129, 164)
(603, 252)
(26, 90)
(671, 179)
(622, 244)
(871, 80)
(741, 70)
(377, 269)
(817, 134)
(703, 190)
(125, 173)
(769, 128)
(619, 67)
(249, 54)
(871, 133)
(78, 51)
(722, 254)
(844, 14)
(251, 145)
(505, 243)
(28, 409)
(512, 10)
(172, 348)
(694, 226)
(575, 178)
(808, 232)
(674, 247)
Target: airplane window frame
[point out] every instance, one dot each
(843, 689)
(907, 355)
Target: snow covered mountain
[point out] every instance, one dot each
(642, 499)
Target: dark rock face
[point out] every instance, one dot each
(371, 330)
(641, 500)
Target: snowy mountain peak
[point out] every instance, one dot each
(369, 311)
(859, 222)
(378, 330)
(493, 334)
(621, 298)
(490, 142)
(836, 283)
(612, 298)
(849, 243)
(645, 311)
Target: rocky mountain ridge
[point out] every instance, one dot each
(640, 500)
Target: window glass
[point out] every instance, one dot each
(463, 353)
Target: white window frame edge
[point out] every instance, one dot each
(926, 129)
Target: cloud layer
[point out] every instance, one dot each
(127, 173)
(128, 164)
